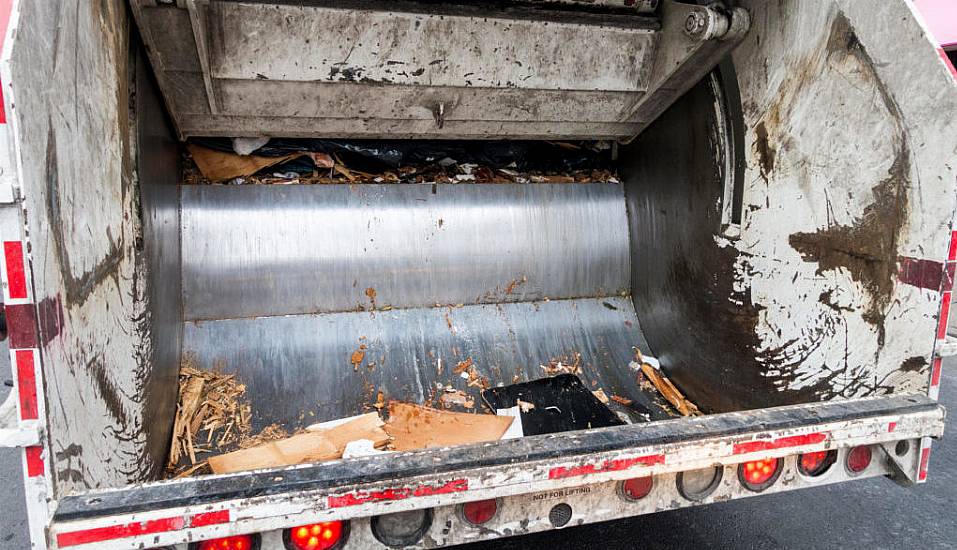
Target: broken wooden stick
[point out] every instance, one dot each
(669, 391)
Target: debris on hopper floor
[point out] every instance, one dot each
(316, 444)
(550, 405)
(208, 402)
(415, 427)
(556, 366)
(312, 161)
(664, 386)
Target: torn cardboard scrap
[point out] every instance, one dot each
(318, 443)
(417, 427)
(219, 166)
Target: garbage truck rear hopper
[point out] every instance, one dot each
(778, 235)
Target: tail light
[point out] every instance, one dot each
(402, 528)
(758, 475)
(637, 488)
(317, 536)
(815, 464)
(481, 512)
(858, 459)
(699, 484)
(238, 542)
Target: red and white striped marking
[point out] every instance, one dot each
(614, 465)
(140, 528)
(255, 515)
(946, 296)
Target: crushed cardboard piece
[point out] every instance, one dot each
(217, 166)
(669, 391)
(314, 445)
(524, 406)
(417, 427)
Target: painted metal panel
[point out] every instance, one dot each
(465, 46)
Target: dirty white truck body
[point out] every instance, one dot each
(781, 239)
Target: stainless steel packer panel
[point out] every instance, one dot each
(298, 368)
(257, 251)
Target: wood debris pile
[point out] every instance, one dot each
(211, 417)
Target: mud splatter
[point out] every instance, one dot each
(766, 152)
(914, 364)
(867, 249)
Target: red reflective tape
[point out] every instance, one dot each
(615, 465)
(891, 426)
(112, 532)
(27, 385)
(21, 325)
(780, 443)
(935, 372)
(34, 461)
(209, 518)
(6, 8)
(944, 315)
(920, 273)
(16, 271)
(924, 463)
(401, 493)
(952, 253)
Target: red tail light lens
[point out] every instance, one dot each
(637, 488)
(858, 459)
(481, 512)
(758, 475)
(316, 536)
(239, 542)
(815, 464)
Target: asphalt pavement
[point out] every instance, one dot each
(871, 514)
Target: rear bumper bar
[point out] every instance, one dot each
(193, 509)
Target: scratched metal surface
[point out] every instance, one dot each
(278, 250)
(298, 368)
(383, 69)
